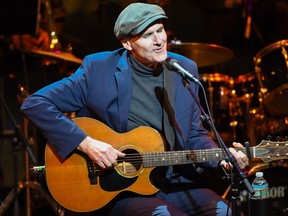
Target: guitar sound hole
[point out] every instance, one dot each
(124, 174)
(131, 163)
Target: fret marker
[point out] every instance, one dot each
(190, 156)
(217, 155)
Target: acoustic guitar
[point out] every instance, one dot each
(78, 185)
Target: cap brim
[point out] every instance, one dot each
(143, 26)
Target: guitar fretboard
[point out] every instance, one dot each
(182, 157)
(267, 151)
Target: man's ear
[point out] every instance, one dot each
(126, 44)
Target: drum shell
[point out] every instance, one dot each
(271, 67)
(245, 88)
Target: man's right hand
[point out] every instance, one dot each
(101, 153)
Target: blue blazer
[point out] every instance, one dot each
(101, 87)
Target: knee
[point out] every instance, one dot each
(164, 210)
(223, 209)
(161, 211)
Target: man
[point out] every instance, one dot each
(125, 89)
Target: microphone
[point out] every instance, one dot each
(172, 64)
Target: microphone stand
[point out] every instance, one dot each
(229, 157)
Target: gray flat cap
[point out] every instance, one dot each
(136, 17)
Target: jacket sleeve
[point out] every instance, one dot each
(46, 107)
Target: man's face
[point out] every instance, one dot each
(150, 48)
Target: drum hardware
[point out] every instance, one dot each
(240, 99)
(218, 90)
(262, 91)
(27, 141)
(244, 87)
(244, 97)
(238, 115)
(55, 44)
(240, 106)
(262, 123)
(221, 90)
(233, 113)
(204, 55)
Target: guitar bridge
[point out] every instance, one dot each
(93, 172)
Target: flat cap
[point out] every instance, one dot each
(136, 17)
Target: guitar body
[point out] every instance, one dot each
(68, 180)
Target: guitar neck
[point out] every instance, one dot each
(155, 159)
(267, 151)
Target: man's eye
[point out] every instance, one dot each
(146, 35)
(160, 30)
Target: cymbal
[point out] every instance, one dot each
(203, 54)
(64, 56)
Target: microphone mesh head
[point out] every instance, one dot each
(169, 62)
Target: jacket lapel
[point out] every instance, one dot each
(124, 85)
(172, 128)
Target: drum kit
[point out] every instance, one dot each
(252, 106)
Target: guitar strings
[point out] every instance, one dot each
(174, 157)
